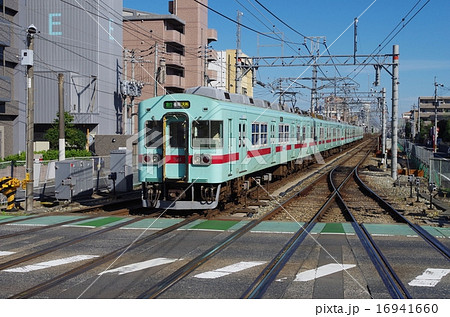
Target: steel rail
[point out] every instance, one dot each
(432, 241)
(98, 261)
(270, 272)
(162, 286)
(386, 272)
(36, 254)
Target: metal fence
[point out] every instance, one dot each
(44, 174)
(437, 170)
(440, 173)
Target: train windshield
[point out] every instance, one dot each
(153, 134)
(207, 134)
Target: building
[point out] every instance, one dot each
(224, 67)
(166, 53)
(198, 39)
(82, 41)
(425, 113)
(10, 79)
(152, 41)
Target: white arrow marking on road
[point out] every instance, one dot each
(322, 271)
(45, 265)
(139, 266)
(429, 278)
(228, 269)
(3, 253)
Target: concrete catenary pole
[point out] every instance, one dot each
(394, 111)
(30, 124)
(238, 79)
(383, 126)
(62, 137)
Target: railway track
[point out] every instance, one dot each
(156, 290)
(257, 289)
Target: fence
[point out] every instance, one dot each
(44, 173)
(436, 169)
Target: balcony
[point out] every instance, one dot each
(174, 36)
(175, 59)
(174, 81)
(212, 35)
(212, 55)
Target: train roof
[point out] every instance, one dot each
(223, 95)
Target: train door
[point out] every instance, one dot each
(273, 141)
(231, 146)
(175, 147)
(242, 145)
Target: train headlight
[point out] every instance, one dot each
(202, 159)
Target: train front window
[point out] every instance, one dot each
(153, 134)
(177, 137)
(207, 134)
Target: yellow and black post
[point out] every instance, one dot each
(8, 187)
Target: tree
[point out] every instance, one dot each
(75, 138)
(444, 130)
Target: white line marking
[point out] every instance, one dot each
(139, 266)
(228, 270)
(3, 253)
(45, 265)
(429, 278)
(322, 271)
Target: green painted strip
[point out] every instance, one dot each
(50, 220)
(390, 230)
(8, 218)
(333, 228)
(215, 225)
(100, 222)
(318, 227)
(277, 226)
(153, 223)
(445, 231)
(434, 231)
(348, 228)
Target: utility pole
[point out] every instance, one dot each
(314, 89)
(436, 105)
(62, 140)
(30, 122)
(238, 79)
(355, 40)
(383, 126)
(395, 83)
(156, 69)
(125, 92)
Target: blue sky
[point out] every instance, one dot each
(424, 42)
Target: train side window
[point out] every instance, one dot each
(153, 134)
(255, 134)
(303, 135)
(207, 134)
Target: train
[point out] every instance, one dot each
(206, 147)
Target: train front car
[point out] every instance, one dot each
(181, 151)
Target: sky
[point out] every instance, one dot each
(424, 39)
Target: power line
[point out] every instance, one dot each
(243, 25)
